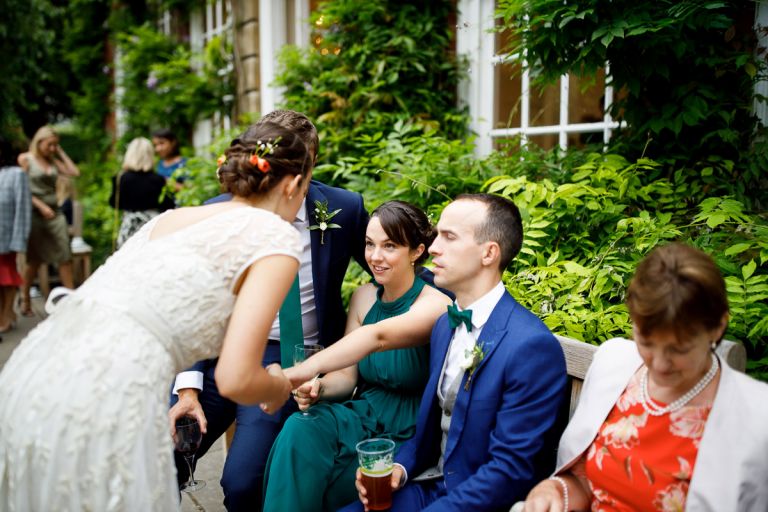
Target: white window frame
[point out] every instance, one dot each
(273, 35)
(201, 31)
(475, 41)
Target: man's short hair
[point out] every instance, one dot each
(297, 123)
(502, 225)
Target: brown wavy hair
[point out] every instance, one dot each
(290, 157)
(677, 287)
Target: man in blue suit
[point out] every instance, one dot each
(323, 265)
(497, 376)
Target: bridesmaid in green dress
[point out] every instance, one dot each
(385, 355)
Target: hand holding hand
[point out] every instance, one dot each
(396, 482)
(300, 374)
(271, 407)
(188, 405)
(307, 394)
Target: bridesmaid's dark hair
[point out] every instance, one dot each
(406, 224)
(290, 157)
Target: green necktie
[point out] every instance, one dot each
(291, 331)
(456, 317)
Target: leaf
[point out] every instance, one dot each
(716, 219)
(575, 268)
(737, 249)
(748, 269)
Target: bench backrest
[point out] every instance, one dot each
(578, 357)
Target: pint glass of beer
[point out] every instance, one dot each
(376, 463)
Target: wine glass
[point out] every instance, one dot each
(187, 441)
(300, 354)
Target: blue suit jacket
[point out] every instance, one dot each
(502, 427)
(329, 259)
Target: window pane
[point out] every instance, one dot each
(506, 88)
(545, 105)
(586, 97)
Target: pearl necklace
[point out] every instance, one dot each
(654, 410)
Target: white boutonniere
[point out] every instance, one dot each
(472, 359)
(323, 218)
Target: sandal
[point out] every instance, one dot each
(25, 308)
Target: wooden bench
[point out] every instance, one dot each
(578, 357)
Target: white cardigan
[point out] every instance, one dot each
(731, 469)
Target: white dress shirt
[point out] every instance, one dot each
(194, 379)
(464, 340)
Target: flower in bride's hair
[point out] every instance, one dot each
(221, 160)
(260, 163)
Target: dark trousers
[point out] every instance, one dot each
(243, 476)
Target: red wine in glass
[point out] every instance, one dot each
(187, 441)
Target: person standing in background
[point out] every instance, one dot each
(167, 148)
(15, 211)
(48, 236)
(139, 194)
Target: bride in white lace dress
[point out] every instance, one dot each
(83, 400)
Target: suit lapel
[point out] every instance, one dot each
(320, 255)
(492, 335)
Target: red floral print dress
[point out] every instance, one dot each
(643, 462)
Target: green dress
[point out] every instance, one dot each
(313, 461)
(48, 238)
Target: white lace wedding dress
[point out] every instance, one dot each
(84, 398)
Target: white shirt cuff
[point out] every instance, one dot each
(191, 379)
(404, 478)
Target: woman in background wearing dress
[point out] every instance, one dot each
(84, 397)
(313, 461)
(48, 236)
(140, 190)
(663, 423)
(15, 210)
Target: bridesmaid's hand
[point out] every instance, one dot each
(307, 394)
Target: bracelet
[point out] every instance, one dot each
(565, 491)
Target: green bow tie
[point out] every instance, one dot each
(456, 317)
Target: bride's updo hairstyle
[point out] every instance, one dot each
(242, 175)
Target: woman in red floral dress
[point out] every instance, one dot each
(662, 423)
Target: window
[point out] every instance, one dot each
(212, 20)
(502, 102)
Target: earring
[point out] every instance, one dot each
(714, 345)
(413, 263)
(290, 197)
